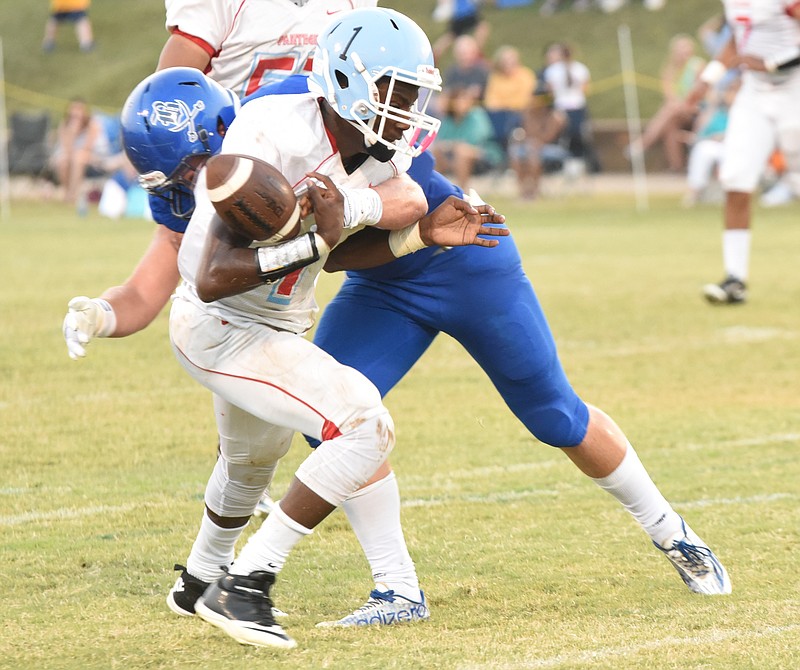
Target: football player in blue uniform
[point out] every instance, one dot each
(410, 301)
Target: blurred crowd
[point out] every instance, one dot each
(500, 115)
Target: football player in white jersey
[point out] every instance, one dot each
(219, 38)
(241, 338)
(765, 44)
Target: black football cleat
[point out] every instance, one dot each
(241, 606)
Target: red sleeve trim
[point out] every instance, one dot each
(205, 46)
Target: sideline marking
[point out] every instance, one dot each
(77, 513)
(588, 657)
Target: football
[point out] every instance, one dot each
(253, 198)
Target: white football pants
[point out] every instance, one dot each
(267, 385)
(762, 117)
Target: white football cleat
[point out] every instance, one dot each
(697, 565)
(384, 608)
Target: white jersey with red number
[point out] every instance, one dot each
(764, 114)
(763, 28)
(255, 42)
(287, 132)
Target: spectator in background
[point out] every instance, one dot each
(469, 71)
(72, 11)
(509, 90)
(464, 19)
(82, 148)
(674, 118)
(568, 80)
(466, 138)
(536, 146)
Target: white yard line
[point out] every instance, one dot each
(64, 513)
(411, 480)
(749, 441)
(571, 660)
(735, 335)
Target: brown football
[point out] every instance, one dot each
(253, 198)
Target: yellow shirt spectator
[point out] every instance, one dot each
(69, 11)
(511, 84)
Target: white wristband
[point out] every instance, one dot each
(406, 241)
(713, 73)
(362, 206)
(280, 256)
(106, 322)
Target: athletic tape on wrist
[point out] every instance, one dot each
(713, 72)
(406, 241)
(362, 206)
(106, 318)
(287, 256)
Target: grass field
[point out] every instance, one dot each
(526, 564)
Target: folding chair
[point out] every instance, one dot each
(28, 145)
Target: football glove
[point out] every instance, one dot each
(87, 318)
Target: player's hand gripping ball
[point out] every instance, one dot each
(253, 198)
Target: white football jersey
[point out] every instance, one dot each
(286, 131)
(762, 28)
(256, 42)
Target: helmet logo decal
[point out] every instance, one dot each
(176, 116)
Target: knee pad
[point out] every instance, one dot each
(340, 466)
(234, 489)
(558, 425)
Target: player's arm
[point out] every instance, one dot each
(453, 223)
(712, 73)
(229, 266)
(127, 309)
(181, 50)
(402, 201)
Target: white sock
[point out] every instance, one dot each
(736, 252)
(632, 486)
(374, 514)
(268, 548)
(212, 550)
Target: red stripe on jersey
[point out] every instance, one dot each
(329, 429)
(205, 46)
(322, 162)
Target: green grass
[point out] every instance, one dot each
(526, 564)
(130, 36)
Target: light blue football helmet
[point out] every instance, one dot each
(171, 123)
(363, 46)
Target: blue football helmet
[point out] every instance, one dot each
(171, 123)
(363, 46)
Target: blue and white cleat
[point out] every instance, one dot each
(384, 608)
(697, 565)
